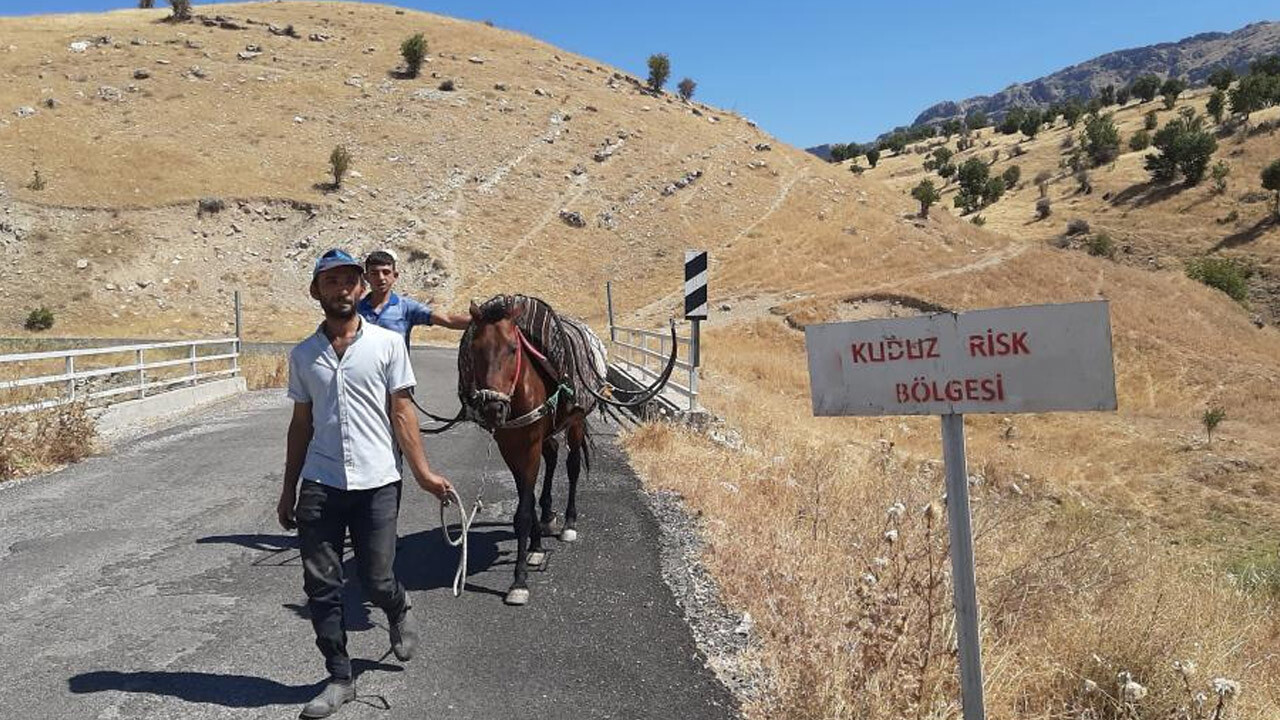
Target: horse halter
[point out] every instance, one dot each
(483, 396)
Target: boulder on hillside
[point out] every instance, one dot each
(572, 218)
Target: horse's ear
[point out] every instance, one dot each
(515, 310)
(475, 312)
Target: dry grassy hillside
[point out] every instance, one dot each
(1153, 226)
(1111, 542)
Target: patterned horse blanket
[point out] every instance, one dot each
(573, 351)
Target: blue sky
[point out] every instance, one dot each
(813, 72)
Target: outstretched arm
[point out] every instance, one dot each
(453, 321)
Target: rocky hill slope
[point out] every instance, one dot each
(1191, 58)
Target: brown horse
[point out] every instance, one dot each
(528, 375)
(502, 357)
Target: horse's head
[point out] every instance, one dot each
(496, 358)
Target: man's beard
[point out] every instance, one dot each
(338, 309)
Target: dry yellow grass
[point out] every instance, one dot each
(262, 371)
(41, 440)
(1156, 517)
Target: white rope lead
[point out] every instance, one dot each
(464, 522)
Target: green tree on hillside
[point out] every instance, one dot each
(1146, 87)
(1171, 89)
(1031, 121)
(1217, 105)
(1122, 96)
(146, 4)
(927, 194)
(952, 127)
(1012, 121)
(1184, 146)
(976, 119)
(1100, 139)
(1271, 181)
(1108, 95)
(972, 176)
(1149, 121)
(686, 88)
(659, 71)
(181, 9)
(992, 190)
(1222, 78)
(414, 52)
(896, 142)
(1011, 176)
(1254, 92)
(1071, 111)
(873, 157)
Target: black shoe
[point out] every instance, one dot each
(335, 694)
(404, 636)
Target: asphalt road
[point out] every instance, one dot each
(153, 582)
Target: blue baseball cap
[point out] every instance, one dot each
(337, 257)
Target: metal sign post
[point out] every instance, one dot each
(1026, 359)
(695, 311)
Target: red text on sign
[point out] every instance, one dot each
(922, 390)
(893, 349)
(997, 344)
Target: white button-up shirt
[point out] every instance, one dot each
(352, 442)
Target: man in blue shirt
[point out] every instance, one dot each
(383, 307)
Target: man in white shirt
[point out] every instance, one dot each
(350, 383)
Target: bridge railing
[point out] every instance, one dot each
(642, 355)
(39, 380)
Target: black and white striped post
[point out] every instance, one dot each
(695, 298)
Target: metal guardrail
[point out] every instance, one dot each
(78, 382)
(642, 355)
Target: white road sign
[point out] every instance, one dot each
(1036, 358)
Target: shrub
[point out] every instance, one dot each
(1149, 121)
(1101, 139)
(1211, 419)
(1271, 181)
(1042, 181)
(1013, 119)
(993, 190)
(146, 4)
(1079, 226)
(952, 127)
(1011, 176)
(686, 88)
(972, 176)
(1101, 245)
(1184, 146)
(1122, 96)
(1044, 208)
(1254, 92)
(181, 9)
(926, 194)
(339, 163)
(873, 157)
(978, 220)
(1108, 95)
(1225, 274)
(1146, 87)
(448, 85)
(1219, 173)
(964, 142)
(39, 319)
(1031, 122)
(1141, 140)
(37, 180)
(1171, 89)
(1084, 183)
(414, 52)
(659, 71)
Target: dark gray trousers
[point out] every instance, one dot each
(324, 514)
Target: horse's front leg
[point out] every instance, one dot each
(523, 462)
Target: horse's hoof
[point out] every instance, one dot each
(568, 535)
(536, 558)
(517, 596)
